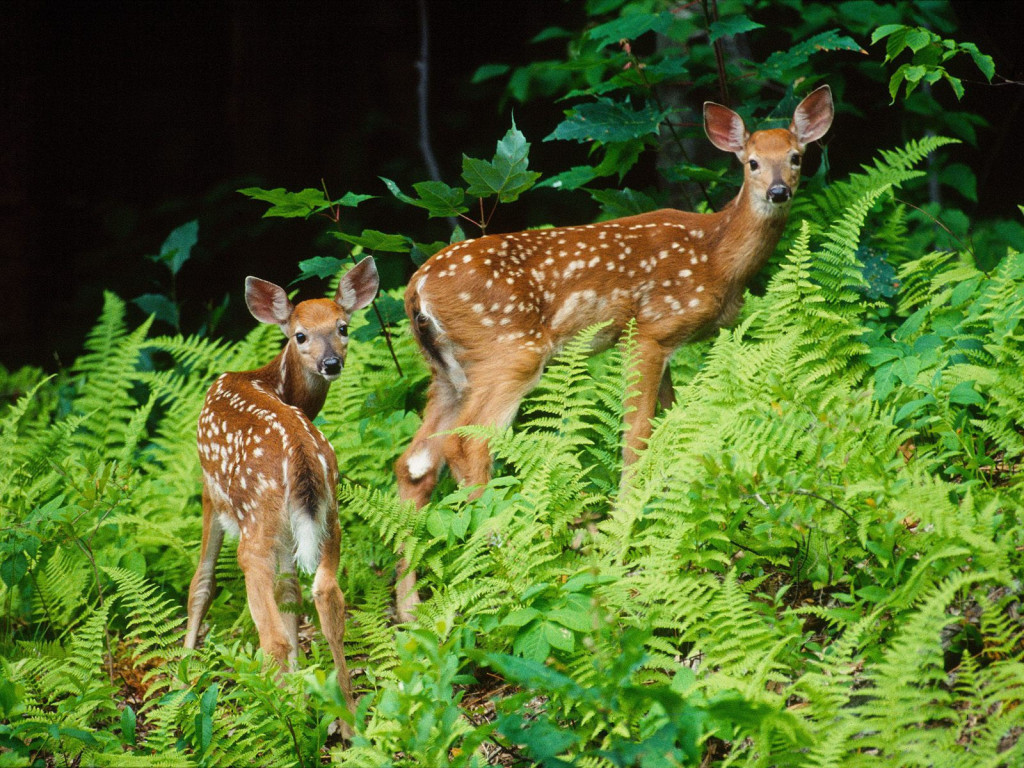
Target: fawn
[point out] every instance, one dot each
(489, 313)
(270, 476)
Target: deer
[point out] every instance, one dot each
(270, 476)
(489, 313)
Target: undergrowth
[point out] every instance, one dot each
(816, 562)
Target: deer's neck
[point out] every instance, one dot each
(747, 233)
(287, 378)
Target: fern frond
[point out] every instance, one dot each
(152, 619)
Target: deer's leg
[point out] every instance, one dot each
(495, 391)
(258, 563)
(650, 362)
(330, 607)
(288, 593)
(666, 393)
(418, 468)
(417, 471)
(406, 596)
(204, 582)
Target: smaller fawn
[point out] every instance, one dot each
(269, 476)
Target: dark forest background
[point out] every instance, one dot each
(120, 121)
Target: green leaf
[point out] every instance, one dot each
(351, 200)
(128, 722)
(685, 172)
(80, 734)
(158, 305)
(873, 593)
(608, 121)
(552, 33)
(177, 248)
(506, 175)
(208, 702)
(13, 568)
(532, 644)
(392, 310)
(895, 82)
(520, 617)
(576, 620)
(488, 71)
(914, 74)
(896, 43)
(981, 60)
(440, 199)
(290, 205)
(781, 63)
(964, 393)
(734, 25)
(619, 158)
(559, 637)
(11, 704)
(372, 240)
(913, 407)
(436, 197)
(918, 38)
(533, 675)
(885, 382)
(884, 31)
(420, 252)
(204, 720)
(616, 203)
(574, 178)
(961, 177)
(629, 27)
(906, 369)
(323, 267)
(964, 290)
(955, 84)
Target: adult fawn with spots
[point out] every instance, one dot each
(270, 477)
(489, 313)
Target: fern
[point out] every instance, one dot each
(106, 374)
(151, 620)
(893, 168)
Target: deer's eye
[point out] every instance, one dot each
(794, 160)
(300, 337)
(754, 165)
(343, 330)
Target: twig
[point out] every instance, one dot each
(671, 127)
(335, 216)
(813, 495)
(723, 86)
(422, 93)
(967, 246)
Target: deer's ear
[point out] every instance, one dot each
(358, 287)
(813, 116)
(725, 128)
(267, 302)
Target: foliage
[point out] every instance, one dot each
(815, 562)
(930, 52)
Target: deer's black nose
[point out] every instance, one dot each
(779, 193)
(331, 366)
